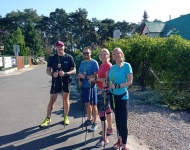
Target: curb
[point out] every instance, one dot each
(8, 71)
(16, 71)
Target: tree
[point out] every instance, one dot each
(33, 40)
(105, 30)
(16, 38)
(13, 20)
(79, 28)
(126, 29)
(58, 25)
(5, 28)
(20, 19)
(74, 28)
(145, 16)
(156, 20)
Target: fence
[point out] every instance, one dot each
(23, 60)
(12, 61)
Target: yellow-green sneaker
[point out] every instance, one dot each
(46, 122)
(66, 120)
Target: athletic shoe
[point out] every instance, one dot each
(94, 127)
(118, 144)
(87, 123)
(124, 148)
(109, 131)
(102, 142)
(66, 120)
(46, 122)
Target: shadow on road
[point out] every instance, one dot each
(37, 141)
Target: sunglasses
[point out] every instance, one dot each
(85, 53)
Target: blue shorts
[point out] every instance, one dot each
(89, 95)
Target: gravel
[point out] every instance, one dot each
(159, 127)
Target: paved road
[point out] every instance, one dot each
(23, 101)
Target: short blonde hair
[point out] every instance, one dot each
(105, 50)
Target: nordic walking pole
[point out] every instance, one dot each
(83, 107)
(104, 115)
(106, 90)
(85, 133)
(62, 95)
(92, 95)
(87, 126)
(83, 104)
(63, 100)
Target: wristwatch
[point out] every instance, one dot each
(117, 86)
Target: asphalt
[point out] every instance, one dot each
(24, 95)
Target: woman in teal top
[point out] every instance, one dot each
(120, 77)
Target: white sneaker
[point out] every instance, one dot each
(94, 127)
(102, 142)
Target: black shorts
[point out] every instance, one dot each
(59, 85)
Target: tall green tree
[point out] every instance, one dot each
(58, 26)
(20, 19)
(105, 29)
(79, 28)
(16, 38)
(33, 40)
(14, 20)
(145, 16)
(126, 29)
(5, 29)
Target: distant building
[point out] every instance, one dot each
(179, 26)
(116, 34)
(152, 29)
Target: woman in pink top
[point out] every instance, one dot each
(104, 108)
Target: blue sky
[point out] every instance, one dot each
(118, 10)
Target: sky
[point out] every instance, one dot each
(118, 10)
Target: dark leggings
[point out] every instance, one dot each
(121, 116)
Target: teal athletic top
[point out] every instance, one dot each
(118, 76)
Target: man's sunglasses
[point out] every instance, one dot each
(85, 53)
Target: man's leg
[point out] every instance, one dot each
(53, 98)
(95, 113)
(66, 104)
(86, 102)
(89, 110)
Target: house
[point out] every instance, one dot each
(152, 29)
(179, 26)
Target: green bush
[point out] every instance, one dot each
(159, 63)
